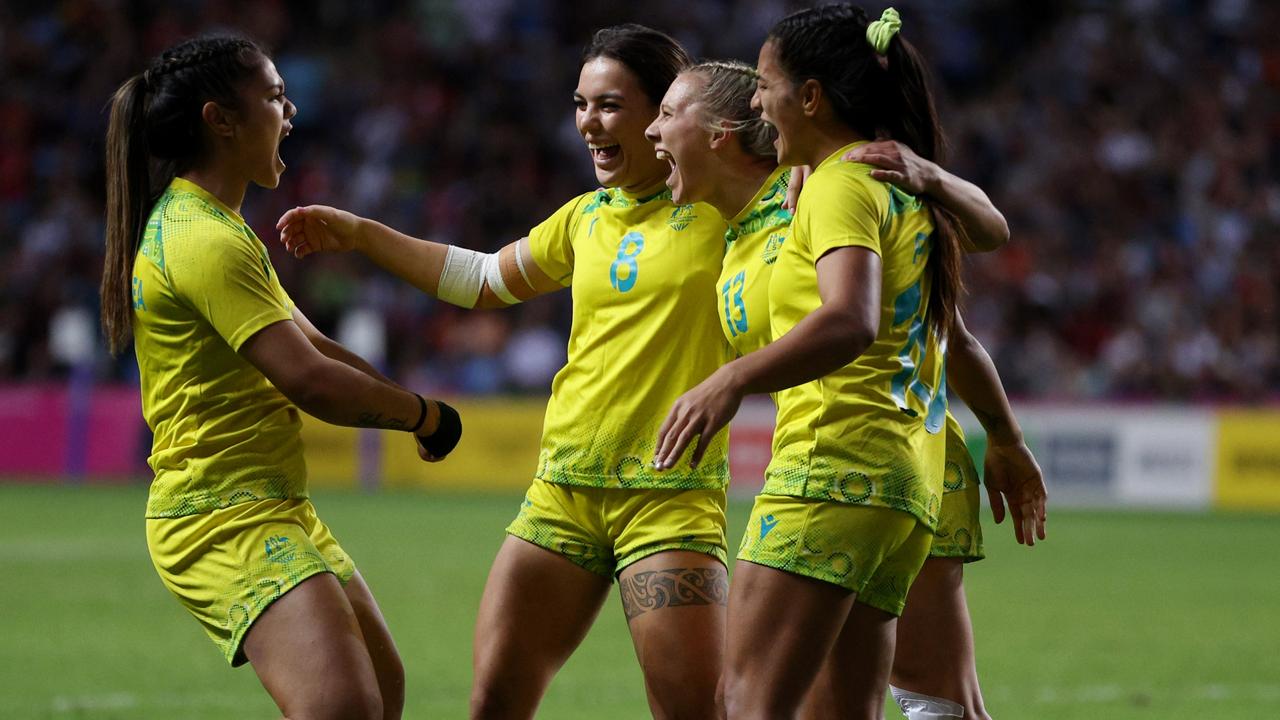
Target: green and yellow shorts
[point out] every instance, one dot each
(606, 529)
(959, 530)
(227, 566)
(872, 551)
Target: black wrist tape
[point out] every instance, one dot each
(441, 442)
(422, 414)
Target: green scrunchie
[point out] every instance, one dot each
(880, 32)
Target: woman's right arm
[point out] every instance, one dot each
(472, 279)
(333, 391)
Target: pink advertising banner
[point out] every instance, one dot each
(49, 432)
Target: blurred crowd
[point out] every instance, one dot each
(1134, 147)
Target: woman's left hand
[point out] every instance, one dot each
(702, 412)
(1013, 478)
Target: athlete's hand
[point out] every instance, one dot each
(446, 431)
(799, 174)
(318, 228)
(702, 412)
(896, 164)
(1013, 476)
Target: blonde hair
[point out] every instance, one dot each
(726, 99)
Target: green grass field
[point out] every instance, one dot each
(1118, 615)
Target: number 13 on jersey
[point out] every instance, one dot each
(732, 292)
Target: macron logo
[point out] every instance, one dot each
(767, 523)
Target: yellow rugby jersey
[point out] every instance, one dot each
(754, 239)
(202, 286)
(645, 330)
(865, 433)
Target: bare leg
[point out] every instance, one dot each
(382, 649)
(935, 639)
(781, 628)
(854, 675)
(675, 604)
(537, 607)
(310, 655)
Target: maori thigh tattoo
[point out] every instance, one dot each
(657, 589)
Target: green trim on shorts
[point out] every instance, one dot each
(719, 552)
(967, 551)
(604, 530)
(595, 566)
(959, 531)
(870, 551)
(234, 650)
(226, 567)
(611, 571)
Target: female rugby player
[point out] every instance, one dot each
(226, 361)
(641, 269)
(862, 298)
(722, 153)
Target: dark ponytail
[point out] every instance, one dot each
(877, 96)
(154, 134)
(914, 122)
(128, 199)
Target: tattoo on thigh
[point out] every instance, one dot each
(657, 589)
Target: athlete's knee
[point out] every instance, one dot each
(489, 702)
(721, 712)
(496, 697)
(695, 696)
(748, 699)
(350, 701)
(917, 706)
(391, 681)
(944, 571)
(914, 670)
(494, 704)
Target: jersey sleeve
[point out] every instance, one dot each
(227, 278)
(551, 241)
(845, 208)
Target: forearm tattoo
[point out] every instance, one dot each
(657, 589)
(991, 422)
(375, 420)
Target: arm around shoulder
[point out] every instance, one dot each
(985, 228)
(896, 163)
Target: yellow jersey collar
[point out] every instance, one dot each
(769, 186)
(835, 156)
(184, 185)
(645, 194)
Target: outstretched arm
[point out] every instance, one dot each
(470, 279)
(896, 163)
(1011, 473)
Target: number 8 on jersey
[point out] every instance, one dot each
(628, 250)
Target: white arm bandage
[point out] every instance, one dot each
(465, 274)
(520, 261)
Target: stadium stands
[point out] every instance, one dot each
(1134, 147)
